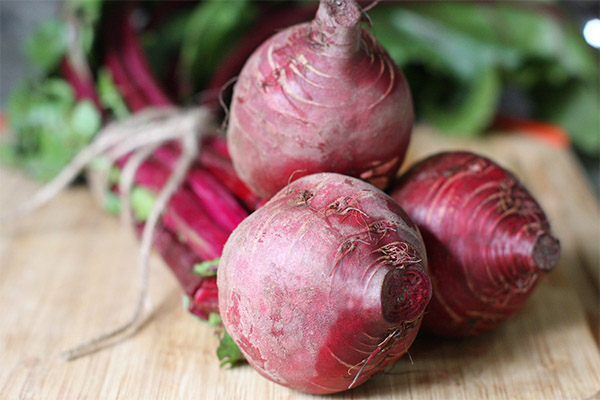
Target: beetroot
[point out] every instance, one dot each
(322, 96)
(325, 285)
(488, 241)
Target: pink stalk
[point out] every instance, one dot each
(215, 198)
(83, 86)
(133, 98)
(206, 299)
(137, 65)
(184, 214)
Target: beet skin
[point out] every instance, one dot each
(322, 96)
(488, 241)
(325, 285)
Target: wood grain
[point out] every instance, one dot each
(68, 273)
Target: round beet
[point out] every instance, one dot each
(325, 285)
(322, 96)
(488, 241)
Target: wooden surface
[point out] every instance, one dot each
(67, 273)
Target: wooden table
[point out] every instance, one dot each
(68, 273)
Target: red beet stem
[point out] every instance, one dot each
(222, 169)
(214, 158)
(206, 299)
(137, 65)
(337, 27)
(83, 86)
(131, 95)
(216, 199)
(217, 145)
(179, 258)
(194, 226)
(184, 214)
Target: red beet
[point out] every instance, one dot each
(488, 241)
(322, 96)
(325, 285)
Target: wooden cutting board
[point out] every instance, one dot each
(68, 273)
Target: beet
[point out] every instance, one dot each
(488, 241)
(322, 96)
(325, 285)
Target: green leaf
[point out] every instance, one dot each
(112, 203)
(85, 120)
(412, 36)
(89, 11)
(465, 36)
(41, 116)
(576, 109)
(214, 319)
(102, 164)
(8, 154)
(213, 29)
(472, 113)
(110, 97)
(164, 43)
(142, 202)
(47, 45)
(228, 352)
(207, 268)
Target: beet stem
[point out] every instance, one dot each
(337, 27)
(546, 252)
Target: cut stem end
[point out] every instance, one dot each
(546, 252)
(405, 294)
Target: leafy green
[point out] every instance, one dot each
(89, 11)
(458, 56)
(142, 202)
(85, 120)
(49, 126)
(112, 203)
(87, 14)
(214, 319)
(48, 44)
(413, 37)
(163, 43)
(212, 30)
(228, 352)
(576, 109)
(109, 95)
(207, 268)
(472, 112)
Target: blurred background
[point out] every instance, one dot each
(473, 66)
